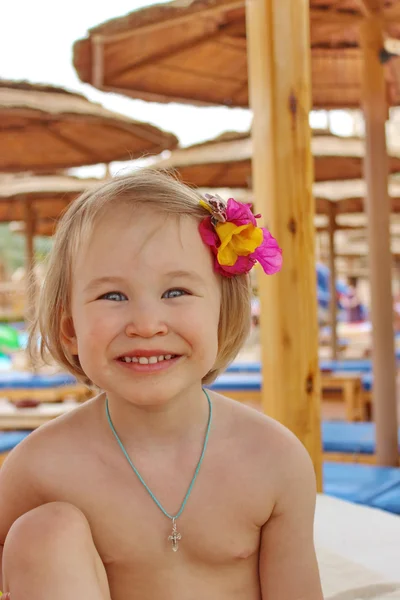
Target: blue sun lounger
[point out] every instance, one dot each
(8, 441)
(250, 381)
(362, 365)
(245, 367)
(26, 380)
(351, 366)
(378, 487)
(245, 386)
(19, 385)
(356, 440)
(342, 440)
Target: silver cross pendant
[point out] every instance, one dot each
(174, 537)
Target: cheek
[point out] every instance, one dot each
(200, 327)
(92, 328)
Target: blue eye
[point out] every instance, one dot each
(174, 293)
(114, 296)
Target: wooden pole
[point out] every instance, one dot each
(98, 61)
(329, 120)
(278, 47)
(378, 210)
(107, 171)
(332, 281)
(30, 260)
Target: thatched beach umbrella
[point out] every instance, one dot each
(196, 52)
(45, 195)
(34, 201)
(346, 198)
(44, 128)
(226, 160)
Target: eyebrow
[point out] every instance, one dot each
(94, 283)
(178, 274)
(185, 275)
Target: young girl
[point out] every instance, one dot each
(156, 489)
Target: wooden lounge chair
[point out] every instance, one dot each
(345, 388)
(21, 385)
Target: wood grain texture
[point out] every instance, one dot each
(332, 281)
(280, 92)
(380, 259)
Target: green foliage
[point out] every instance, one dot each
(12, 248)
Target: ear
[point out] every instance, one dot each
(67, 334)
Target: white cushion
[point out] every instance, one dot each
(364, 536)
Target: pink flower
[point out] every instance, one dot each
(239, 213)
(268, 254)
(242, 242)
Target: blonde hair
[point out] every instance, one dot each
(144, 187)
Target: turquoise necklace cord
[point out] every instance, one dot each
(175, 536)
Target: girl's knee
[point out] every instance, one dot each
(54, 539)
(45, 528)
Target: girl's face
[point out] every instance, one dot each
(145, 307)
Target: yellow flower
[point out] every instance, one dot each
(237, 241)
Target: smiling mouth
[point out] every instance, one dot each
(147, 360)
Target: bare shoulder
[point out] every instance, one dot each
(268, 447)
(68, 431)
(254, 426)
(40, 458)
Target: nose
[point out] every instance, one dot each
(146, 323)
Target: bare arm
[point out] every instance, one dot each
(288, 565)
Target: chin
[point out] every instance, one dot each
(150, 394)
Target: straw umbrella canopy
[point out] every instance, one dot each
(346, 197)
(196, 52)
(358, 247)
(38, 202)
(46, 195)
(45, 128)
(226, 160)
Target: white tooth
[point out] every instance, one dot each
(168, 356)
(135, 359)
(152, 360)
(127, 359)
(143, 360)
(160, 358)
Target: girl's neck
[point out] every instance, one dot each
(160, 426)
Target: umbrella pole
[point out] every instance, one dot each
(107, 171)
(280, 91)
(332, 281)
(30, 261)
(378, 210)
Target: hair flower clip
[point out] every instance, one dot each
(237, 243)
